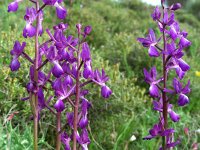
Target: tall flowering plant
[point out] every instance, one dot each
(69, 73)
(169, 46)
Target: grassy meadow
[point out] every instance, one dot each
(116, 26)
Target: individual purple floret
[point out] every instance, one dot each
(174, 41)
(151, 78)
(60, 10)
(16, 52)
(180, 91)
(150, 41)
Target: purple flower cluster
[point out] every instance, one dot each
(71, 70)
(174, 41)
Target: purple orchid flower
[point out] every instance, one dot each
(66, 141)
(171, 144)
(150, 41)
(53, 57)
(181, 91)
(156, 14)
(101, 79)
(30, 30)
(175, 33)
(176, 61)
(150, 77)
(60, 10)
(158, 106)
(85, 105)
(83, 139)
(158, 130)
(16, 52)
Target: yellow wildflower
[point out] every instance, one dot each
(197, 73)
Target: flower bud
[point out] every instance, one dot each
(13, 7)
(156, 14)
(85, 54)
(87, 30)
(79, 26)
(175, 6)
(30, 87)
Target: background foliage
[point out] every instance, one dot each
(116, 25)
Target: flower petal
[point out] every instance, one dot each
(186, 89)
(153, 52)
(15, 64)
(183, 65)
(174, 116)
(177, 85)
(87, 72)
(29, 31)
(184, 42)
(183, 100)
(60, 11)
(106, 91)
(59, 106)
(57, 70)
(83, 122)
(154, 91)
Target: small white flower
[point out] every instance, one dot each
(198, 130)
(133, 138)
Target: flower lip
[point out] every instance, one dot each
(183, 100)
(14, 65)
(59, 106)
(60, 11)
(106, 91)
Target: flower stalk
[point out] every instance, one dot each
(35, 97)
(164, 97)
(58, 127)
(77, 97)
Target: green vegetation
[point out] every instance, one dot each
(116, 25)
